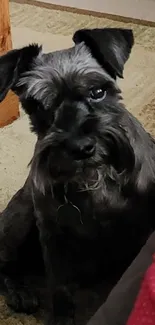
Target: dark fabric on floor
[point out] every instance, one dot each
(116, 309)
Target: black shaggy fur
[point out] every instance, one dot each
(91, 186)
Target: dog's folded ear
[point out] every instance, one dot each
(13, 65)
(111, 47)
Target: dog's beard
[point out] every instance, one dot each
(114, 157)
(51, 165)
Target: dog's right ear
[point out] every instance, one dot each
(111, 47)
(13, 65)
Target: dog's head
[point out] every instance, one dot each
(73, 101)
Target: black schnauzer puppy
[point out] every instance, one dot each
(91, 187)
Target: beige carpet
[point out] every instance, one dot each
(54, 30)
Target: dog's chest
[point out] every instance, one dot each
(76, 212)
(70, 210)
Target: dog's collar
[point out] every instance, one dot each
(68, 213)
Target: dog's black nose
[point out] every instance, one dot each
(88, 149)
(83, 149)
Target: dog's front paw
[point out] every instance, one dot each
(20, 298)
(63, 307)
(61, 321)
(65, 321)
(63, 304)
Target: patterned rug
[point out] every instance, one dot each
(54, 29)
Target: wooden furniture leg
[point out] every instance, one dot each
(9, 108)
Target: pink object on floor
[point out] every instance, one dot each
(143, 312)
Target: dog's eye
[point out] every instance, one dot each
(97, 94)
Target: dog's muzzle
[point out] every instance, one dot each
(80, 149)
(63, 155)
(70, 145)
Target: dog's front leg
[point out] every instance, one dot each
(15, 225)
(60, 304)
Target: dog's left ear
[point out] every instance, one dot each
(111, 47)
(13, 64)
